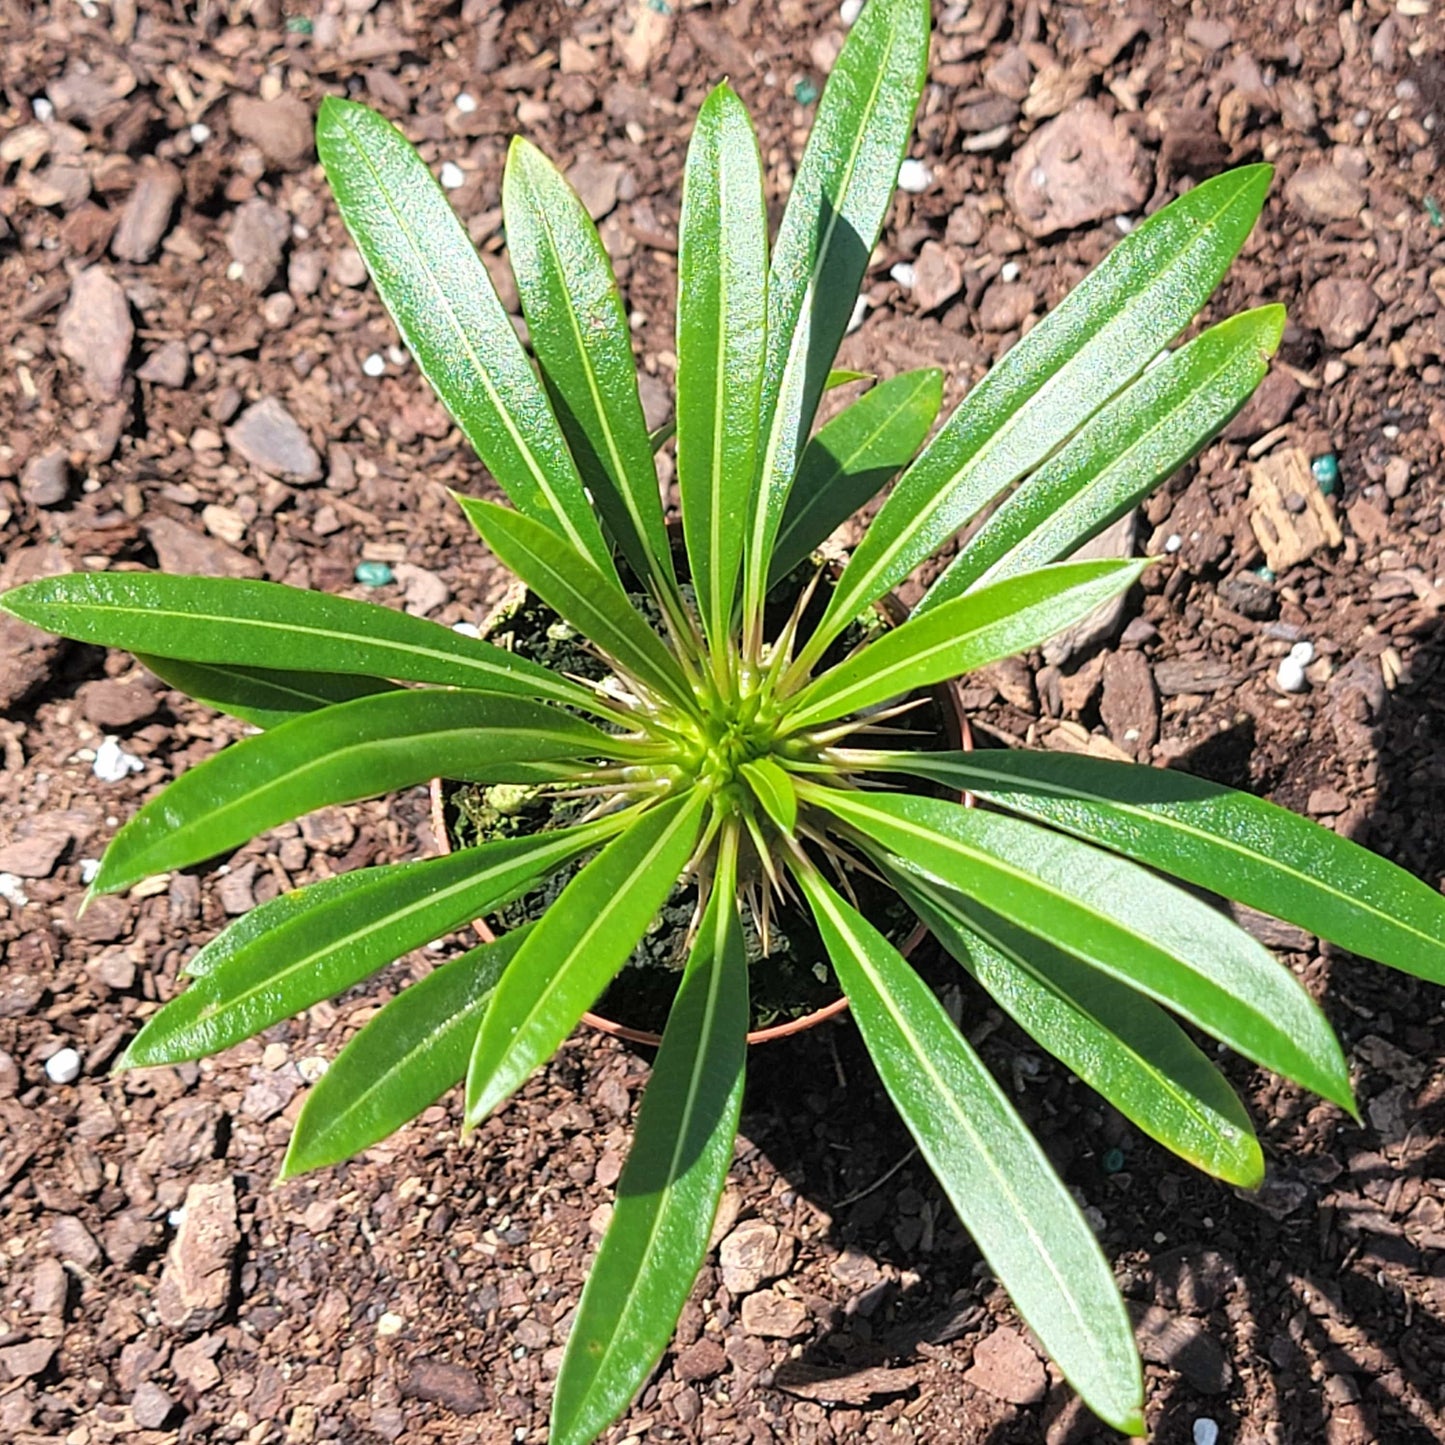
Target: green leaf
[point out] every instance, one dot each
(582, 340)
(1230, 842)
(722, 299)
(665, 433)
(994, 1172)
(1142, 436)
(1114, 1039)
(851, 459)
(1116, 917)
(338, 935)
(342, 754)
(668, 1194)
(834, 215)
(773, 788)
(969, 632)
(238, 623)
(402, 1061)
(582, 940)
(261, 696)
(1101, 336)
(592, 602)
(438, 292)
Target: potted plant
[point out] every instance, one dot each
(724, 750)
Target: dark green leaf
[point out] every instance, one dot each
(401, 1062)
(342, 754)
(851, 459)
(582, 940)
(994, 1173)
(581, 338)
(1116, 917)
(443, 302)
(668, 1194)
(969, 632)
(722, 286)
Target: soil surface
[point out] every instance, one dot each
(196, 375)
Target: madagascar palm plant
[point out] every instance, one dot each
(718, 750)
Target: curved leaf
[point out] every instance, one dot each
(402, 1060)
(851, 459)
(581, 338)
(969, 632)
(1232, 843)
(342, 754)
(439, 294)
(338, 936)
(581, 941)
(773, 788)
(995, 1174)
(722, 301)
(668, 1194)
(1116, 917)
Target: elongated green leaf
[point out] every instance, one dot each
(262, 696)
(443, 302)
(1232, 843)
(237, 623)
(338, 936)
(994, 1172)
(851, 458)
(342, 754)
(401, 1062)
(668, 1194)
(583, 939)
(1113, 1038)
(660, 437)
(593, 603)
(835, 212)
(1148, 431)
(1104, 333)
(1116, 917)
(722, 301)
(997, 621)
(581, 338)
(773, 788)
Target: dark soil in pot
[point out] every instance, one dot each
(795, 978)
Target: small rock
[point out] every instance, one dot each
(1341, 309)
(451, 176)
(1004, 1366)
(423, 591)
(914, 177)
(269, 437)
(147, 214)
(1322, 193)
(45, 479)
(773, 1316)
(1250, 595)
(63, 1067)
(1129, 707)
(347, 267)
(937, 276)
(168, 365)
(180, 549)
(597, 183)
(1183, 1344)
(95, 331)
(1082, 166)
(110, 704)
(700, 1361)
(1205, 1431)
(112, 762)
(443, 1383)
(150, 1406)
(1291, 674)
(280, 129)
(49, 1289)
(1005, 306)
(1178, 676)
(753, 1253)
(1116, 540)
(24, 1362)
(194, 1364)
(129, 1237)
(1272, 404)
(195, 1286)
(257, 239)
(71, 1240)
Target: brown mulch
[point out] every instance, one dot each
(188, 349)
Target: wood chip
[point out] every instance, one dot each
(1287, 531)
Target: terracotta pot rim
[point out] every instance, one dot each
(957, 731)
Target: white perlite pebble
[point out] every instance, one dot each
(1008, 272)
(112, 762)
(467, 629)
(452, 176)
(63, 1067)
(375, 364)
(466, 103)
(914, 177)
(1173, 542)
(1303, 653)
(905, 275)
(89, 867)
(1291, 674)
(200, 132)
(860, 310)
(42, 109)
(1206, 1432)
(849, 11)
(12, 890)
